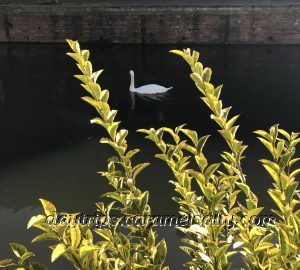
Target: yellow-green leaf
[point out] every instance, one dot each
(58, 251)
(49, 208)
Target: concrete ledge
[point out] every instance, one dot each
(204, 24)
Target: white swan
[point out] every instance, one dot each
(148, 89)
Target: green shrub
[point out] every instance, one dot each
(202, 189)
(23, 259)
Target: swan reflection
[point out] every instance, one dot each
(148, 97)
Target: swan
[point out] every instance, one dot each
(148, 89)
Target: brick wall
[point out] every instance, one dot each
(244, 24)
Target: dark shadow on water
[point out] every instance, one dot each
(49, 150)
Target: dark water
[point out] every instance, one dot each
(49, 150)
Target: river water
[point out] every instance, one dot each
(49, 150)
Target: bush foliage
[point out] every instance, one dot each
(202, 189)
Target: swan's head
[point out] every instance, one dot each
(131, 72)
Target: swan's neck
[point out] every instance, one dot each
(131, 87)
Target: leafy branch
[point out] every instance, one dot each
(120, 247)
(207, 244)
(284, 252)
(22, 260)
(202, 189)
